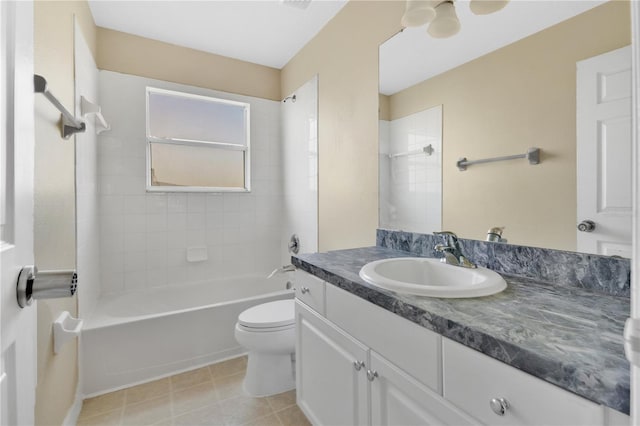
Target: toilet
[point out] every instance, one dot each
(267, 331)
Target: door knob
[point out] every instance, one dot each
(587, 226)
(44, 285)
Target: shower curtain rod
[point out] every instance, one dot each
(70, 124)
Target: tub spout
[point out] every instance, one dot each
(285, 268)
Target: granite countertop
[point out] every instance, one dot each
(568, 336)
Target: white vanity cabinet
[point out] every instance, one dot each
(398, 399)
(359, 364)
(342, 382)
(330, 372)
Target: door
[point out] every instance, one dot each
(604, 148)
(18, 326)
(330, 372)
(397, 399)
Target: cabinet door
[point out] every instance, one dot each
(331, 388)
(397, 399)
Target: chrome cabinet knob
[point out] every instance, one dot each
(499, 406)
(587, 226)
(371, 375)
(304, 290)
(358, 365)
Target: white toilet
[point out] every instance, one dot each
(267, 331)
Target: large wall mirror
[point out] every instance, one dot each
(534, 74)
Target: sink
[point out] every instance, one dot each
(430, 277)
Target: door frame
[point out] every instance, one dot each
(635, 134)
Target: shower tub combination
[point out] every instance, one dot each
(140, 336)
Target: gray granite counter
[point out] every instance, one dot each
(568, 336)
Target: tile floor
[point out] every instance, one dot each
(210, 395)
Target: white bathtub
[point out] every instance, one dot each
(139, 336)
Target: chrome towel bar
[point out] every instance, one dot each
(533, 155)
(70, 124)
(428, 150)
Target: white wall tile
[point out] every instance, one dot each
(135, 280)
(157, 240)
(156, 203)
(135, 223)
(147, 236)
(135, 261)
(176, 239)
(109, 204)
(196, 221)
(156, 222)
(157, 259)
(135, 241)
(176, 257)
(157, 277)
(177, 203)
(135, 204)
(215, 203)
(196, 203)
(176, 222)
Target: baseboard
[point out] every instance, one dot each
(74, 412)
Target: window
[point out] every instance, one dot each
(196, 143)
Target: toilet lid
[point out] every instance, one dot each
(270, 314)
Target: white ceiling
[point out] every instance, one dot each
(266, 32)
(413, 56)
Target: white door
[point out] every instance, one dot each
(604, 148)
(331, 383)
(18, 326)
(397, 399)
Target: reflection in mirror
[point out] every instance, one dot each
(410, 170)
(501, 96)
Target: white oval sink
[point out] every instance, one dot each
(430, 277)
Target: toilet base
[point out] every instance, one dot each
(268, 374)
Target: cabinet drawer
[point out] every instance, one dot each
(414, 349)
(310, 290)
(472, 380)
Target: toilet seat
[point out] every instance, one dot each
(271, 316)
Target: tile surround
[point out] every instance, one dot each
(144, 236)
(411, 186)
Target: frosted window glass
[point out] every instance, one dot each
(183, 117)
(203, 166)
(196, 143)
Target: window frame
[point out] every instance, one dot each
(150, 139)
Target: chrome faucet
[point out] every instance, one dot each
(451, 251)
(285, 268)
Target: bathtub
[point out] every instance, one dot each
(140, 336)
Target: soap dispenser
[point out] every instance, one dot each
(495, 235)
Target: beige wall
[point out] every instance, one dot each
(503, 103)
(345, 56)
(130, 54)
(384, 107)
(55, 196)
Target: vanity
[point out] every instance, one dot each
(538, 353)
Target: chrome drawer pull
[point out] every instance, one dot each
(499, 406)
(304, 290)
(371, 375)
(358, 365)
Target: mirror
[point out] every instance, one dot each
(501, 93)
